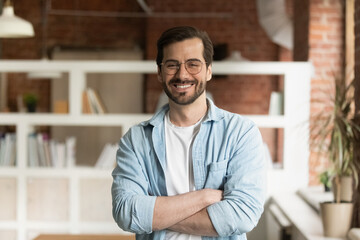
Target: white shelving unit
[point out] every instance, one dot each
(291, 177)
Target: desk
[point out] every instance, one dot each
(84, 237)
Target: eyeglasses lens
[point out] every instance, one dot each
(192, 66)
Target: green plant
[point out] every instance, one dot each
(325, 178)
(30, 98)
(336, 132)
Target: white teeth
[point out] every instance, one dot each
(183, 86)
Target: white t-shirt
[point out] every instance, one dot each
(179, 172)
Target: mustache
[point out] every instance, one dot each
(179, 81)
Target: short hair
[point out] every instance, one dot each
(178, 34)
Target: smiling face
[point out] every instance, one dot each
(182, 87)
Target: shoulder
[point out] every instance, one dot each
(239, 128)
(237, 121)
(222, 116)
(136, 132)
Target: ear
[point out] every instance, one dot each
(159, 76)
(209, 73)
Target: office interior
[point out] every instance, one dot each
(89, 66)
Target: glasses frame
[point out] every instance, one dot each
(179, 65)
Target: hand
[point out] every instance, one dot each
(213, 195)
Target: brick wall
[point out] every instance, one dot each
(318, 38)
(326, 52)
(69, 31)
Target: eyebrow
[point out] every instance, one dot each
(190, 59)
(171, 60)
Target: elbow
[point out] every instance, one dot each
(122, 221)
(126, 222)
(247, 227)
(250, 221)
(242, 228)
(242, 221)
(131, 215)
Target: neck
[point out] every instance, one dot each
(187, 115)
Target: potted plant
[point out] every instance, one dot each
(336, 135)
(30, 100)
(325, 178)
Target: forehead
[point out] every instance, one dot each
(183, 50)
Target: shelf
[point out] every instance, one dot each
(96, 227)
(263, 68)
(8, 225)
(8, 171)
(109, 119)
(66, 120)
(149, 66)
(82, 184)
(49, 172)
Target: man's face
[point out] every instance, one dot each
(183, 87)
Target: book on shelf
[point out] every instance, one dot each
(46, 152)
(85, 103)
(70, 144)
(7, 149)
(46, 145)
(107, 158)
(41, 149)
(92, 102)
(60, 149)
(61, 106)
(33, 154)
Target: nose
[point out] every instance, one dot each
(182, 72)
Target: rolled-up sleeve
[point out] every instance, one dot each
(132, 206)
(244, 188)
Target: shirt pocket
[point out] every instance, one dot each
(216, 175)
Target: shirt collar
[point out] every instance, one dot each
(213, 114)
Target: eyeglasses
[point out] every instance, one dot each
(192, 66)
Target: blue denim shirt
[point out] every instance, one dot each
(227, 155)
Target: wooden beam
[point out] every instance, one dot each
(356, 197)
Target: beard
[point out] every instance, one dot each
(184, 98)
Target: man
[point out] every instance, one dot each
(193, 169)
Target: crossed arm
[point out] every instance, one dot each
(142, 210)
(186, 213)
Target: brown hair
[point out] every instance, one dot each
(178, 34)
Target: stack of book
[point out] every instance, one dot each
(7, 149)
(46, 152)
(92, 102)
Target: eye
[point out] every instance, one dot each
(171, 64)
(193, 64)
